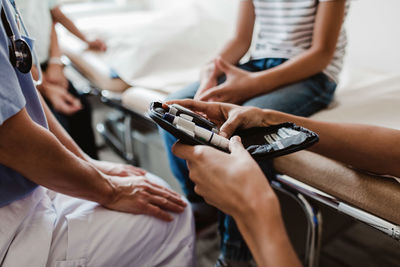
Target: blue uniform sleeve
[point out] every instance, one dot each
(12, 99)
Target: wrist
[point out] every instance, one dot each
(111, 190)
(273, 117)
(56, 61)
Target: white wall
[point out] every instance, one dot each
(374, 34)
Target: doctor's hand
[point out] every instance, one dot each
(137, 195)
(116, 169)
(61, 100)
(238, 87)
(233, 183)
(228, 117)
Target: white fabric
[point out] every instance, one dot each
(64, 231)
(161, 49)
(375, 103)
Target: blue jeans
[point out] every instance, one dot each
(303, 98)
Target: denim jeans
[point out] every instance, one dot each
(303, 98)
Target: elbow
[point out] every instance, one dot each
(242, 43)
(324, 56)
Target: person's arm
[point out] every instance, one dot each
(366, 147)
(59, 16)
(105, 167)
(233, 50)
(37, 154)
(235, 184)
(369, 148)
(55, 68)
(242, 85)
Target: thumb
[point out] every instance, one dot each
(235, 145)
(223, 65)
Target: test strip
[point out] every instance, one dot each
(268, 139)
(275, 137)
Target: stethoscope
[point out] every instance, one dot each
(20, 54)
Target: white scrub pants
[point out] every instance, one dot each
(51, 229)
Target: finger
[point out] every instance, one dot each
(73, 101)
(136, 170)
(223, 65)
(183, 151)
(213, 92)
(165, 189)
(235, 145)
(191, 104)
(173, 198)
(165, 204)
(158, 213)
(63, 108)
(230, 126)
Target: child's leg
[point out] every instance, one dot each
(303, 98)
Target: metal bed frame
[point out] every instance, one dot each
(300, 192)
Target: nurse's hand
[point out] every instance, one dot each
(228, 117)
(137, 195)
(233, 183)
(117, 169)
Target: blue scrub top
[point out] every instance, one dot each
(16, 92)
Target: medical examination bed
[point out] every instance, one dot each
(364, 96)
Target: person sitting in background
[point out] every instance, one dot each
(70, 107)
(294, 68)
(235, 184)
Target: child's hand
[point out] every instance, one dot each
(237, 88)
(208, 79)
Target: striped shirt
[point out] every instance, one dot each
(285, 30)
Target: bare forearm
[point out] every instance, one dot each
(307, 64)
(37, 154)
(370, 148)
(55, 50)
(266, 236)
(59, 16)
(234, 50)
(238, 46)
(61, 134)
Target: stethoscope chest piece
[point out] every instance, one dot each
(19, 50)
(21, 56)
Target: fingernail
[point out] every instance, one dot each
(236, 138)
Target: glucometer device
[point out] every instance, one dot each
(261, 142)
